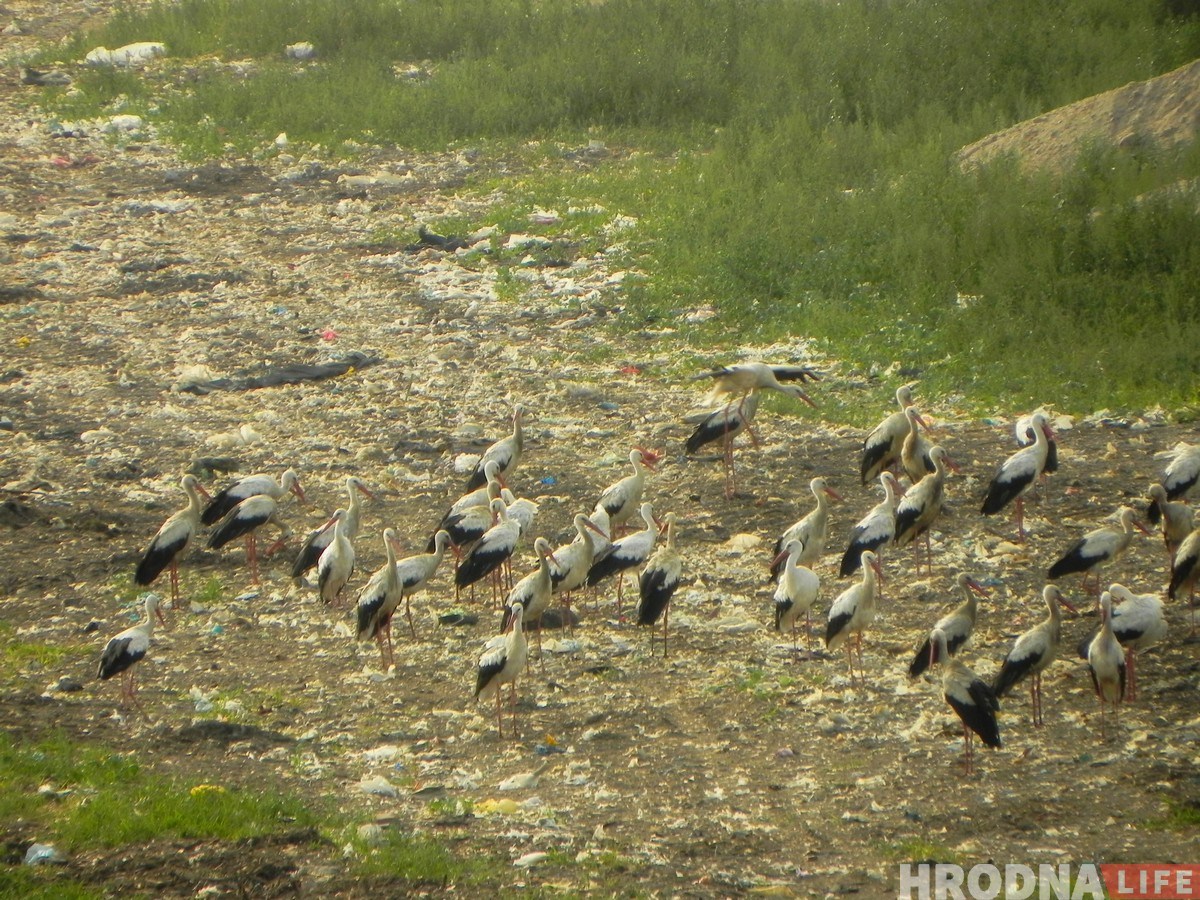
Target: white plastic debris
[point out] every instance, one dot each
(37, 854)
(379, 786)
(135, 54)
(302, 50)
(529, 859)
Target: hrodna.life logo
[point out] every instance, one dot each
(1087, 881)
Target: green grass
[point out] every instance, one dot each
(43, 883)
(795, 166)
(20, 655)
(420, 860)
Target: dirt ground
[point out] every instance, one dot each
(735, 766)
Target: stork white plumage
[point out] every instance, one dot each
(914, 450)
(920, 506)
(1106, 663)
(320, 538)
(1185, 571)
(956, 625)
(812, 530)
(492, 551)
(658, 582)
(417, 571)
(224, 501)
(533, 592)
(480, 497)
(335, 567)
(1138, 623)
(1094, 549)
(853, 611)
(127, 648)
(502, 665)
(881, 448)
(573, 561)
(378, 601)
(626, 553)
(725, 424)
(1018, 474)
(1180, 476)
(1026, 435)
(506, 453)
(522, 510)
(1175, 519)
(876, 529)
(621, 499)
(1033, 652)
(171, 539)
(744, 378)
(970, 697)
(796, 591)
(245, 519)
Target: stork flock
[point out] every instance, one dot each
(484, 528)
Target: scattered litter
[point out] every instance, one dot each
(135, 54)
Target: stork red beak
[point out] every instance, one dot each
(952, 465)
(299, 492)
(202, 492)
(977, 587)
(807, 399)
(1067, 603)
(365, 491)
(834, 494)
(1140, 527)
(779, 559)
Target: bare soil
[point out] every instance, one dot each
(733, 766)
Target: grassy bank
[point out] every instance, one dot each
(802, 175)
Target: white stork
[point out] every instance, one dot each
(224, 501)
(506, 453)
(1033, 652)
(621, 499)
(725, 424)
(956, 625)
(335, 567)
(473, 499)
(876, 529)
(914, 451)
(318, 539)
(1096, 548)
(493, 549)
(970, 697)
(626, 553)
(246, 518)
(378, 600)
(122, 651)
(744, 378)
(1106, 663)
(882, 446)
(171, 540)
(921, 505)
(1185, 571)
(1138, 624)
(501, 665)
(1174, 518)
(1019, 473)
(532, 592)
(796, 590)
(811, 531)
(658, 582)
(1181, 475)
(1026, 436)
(853, 611)
(573, 561)
(415, 572)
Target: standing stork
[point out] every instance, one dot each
(415, 572)
(876, 529)
(320, 538)
(1096, 548)
(914, 450)
(621, 499)
(921, 505)
(246, 518)
(532, 592)
(811, 531)
(471, 500)
(122, 651)
(501, 665)
(956, 625)
(1033, 652)
(1138, 624)
(881, 448)
(171, 540)
(1175, 519)
(1106, 663)
(796, 591)
(970, 697)
(1019, 473)
(506, 453)
(853, 611)
(1026, 436)
(378, 600)
(1181, 475)
(658, 582)
(1185, 571)
(573, 561)
(626, 553)
(336, 564)
(493, 549)
(725, 424)
(224, 501)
